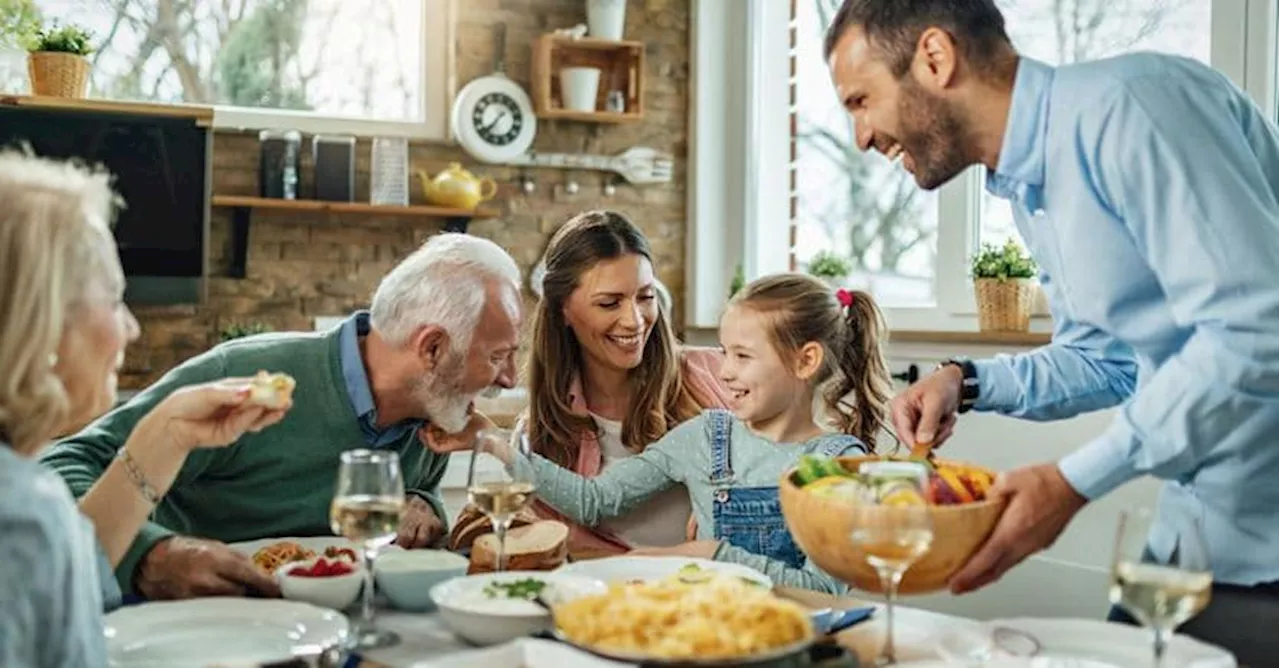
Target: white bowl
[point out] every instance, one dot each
(331, 591)
(482, 621)
(407, 576)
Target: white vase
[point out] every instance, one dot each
(606, 18)
(579, 87)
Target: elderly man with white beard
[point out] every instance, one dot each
(442, 329)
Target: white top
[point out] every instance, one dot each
(660, 521)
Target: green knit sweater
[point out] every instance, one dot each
(275, 483)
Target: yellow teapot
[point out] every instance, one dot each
(457, 188)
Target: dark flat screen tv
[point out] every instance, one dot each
(160, 167)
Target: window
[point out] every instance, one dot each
(911, 248)
(315, 65)
(1059, 33)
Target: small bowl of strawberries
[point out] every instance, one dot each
(326, 581)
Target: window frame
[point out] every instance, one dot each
(1243, 43)
(438, 88)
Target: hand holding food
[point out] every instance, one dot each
(182, 567)
(272, 390)
(925, 413)
(211, 414)
(441, 442)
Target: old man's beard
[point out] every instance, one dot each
(442, 399)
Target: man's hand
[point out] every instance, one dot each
(925, 413)
(419, 526)
(181, 567)
(698, 549)
(1041, 504)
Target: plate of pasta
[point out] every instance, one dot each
(269, 554)
(720, 620)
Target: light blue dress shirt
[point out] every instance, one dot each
(1146, 188)
(357, 381)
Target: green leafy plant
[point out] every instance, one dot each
(238, 330)
(1002, 262)
(70, 39)
(739, 281)
(826, 264)
(19, 22)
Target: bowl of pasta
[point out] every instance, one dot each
(818, 494)
(719, 620)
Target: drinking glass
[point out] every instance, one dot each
(892, 537)
(366, 509)
(496, 486)
(1160, 596)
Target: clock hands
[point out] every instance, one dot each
(501, 115)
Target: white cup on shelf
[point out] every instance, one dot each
(579, 87)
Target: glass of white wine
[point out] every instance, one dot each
(366, 509)
(893, 536)
(1160, 596)
(498, 487)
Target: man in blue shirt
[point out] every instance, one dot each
(1146, 188)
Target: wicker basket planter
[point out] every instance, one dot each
(1004, 305)
(58, 74)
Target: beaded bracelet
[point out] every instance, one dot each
(131, 465)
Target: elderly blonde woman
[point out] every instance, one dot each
(63, 329)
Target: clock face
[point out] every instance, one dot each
(497, 118)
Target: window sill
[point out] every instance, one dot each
(969, 338)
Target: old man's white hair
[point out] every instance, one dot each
(443, 283)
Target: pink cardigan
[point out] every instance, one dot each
(700, 369)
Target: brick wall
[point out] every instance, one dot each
(301, 266)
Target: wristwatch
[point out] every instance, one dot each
(968, 382)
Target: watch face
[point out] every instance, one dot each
(497, 119)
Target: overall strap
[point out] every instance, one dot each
(721, 426)
(835, 445)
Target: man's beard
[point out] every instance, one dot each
(442, 399)
(933, 134)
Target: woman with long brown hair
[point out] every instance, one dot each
(607, 376)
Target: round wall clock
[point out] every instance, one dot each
(493, 119)
(492, 116)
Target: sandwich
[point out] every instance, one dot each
(271, 390)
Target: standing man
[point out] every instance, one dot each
(1146, 188)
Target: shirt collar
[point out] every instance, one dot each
(353, 373)
(1022, 154)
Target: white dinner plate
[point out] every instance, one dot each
(207, 631)
(1112, 644)
(525, 652)
(624, 569)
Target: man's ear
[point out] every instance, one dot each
(936, 60)
(430, 343)
(808, 360)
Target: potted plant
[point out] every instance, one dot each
(831, 268)
(57, 62)
(236, 330)
(1004, 287)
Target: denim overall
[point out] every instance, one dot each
(751, 517)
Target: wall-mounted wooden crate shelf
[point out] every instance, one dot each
(621, 67)
(456, 219)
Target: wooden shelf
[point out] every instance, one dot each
(621, 66)
(456, 220)
(203, 116)
(315, 205)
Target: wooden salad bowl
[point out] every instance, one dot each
(822, 527)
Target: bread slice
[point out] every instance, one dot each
(472, 523)
(271, 390)
(541, 546)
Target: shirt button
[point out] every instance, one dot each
(722, 496)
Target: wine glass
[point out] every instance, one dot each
(1160, 596)
(366, 509)
(499, 485)
(893, 535)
